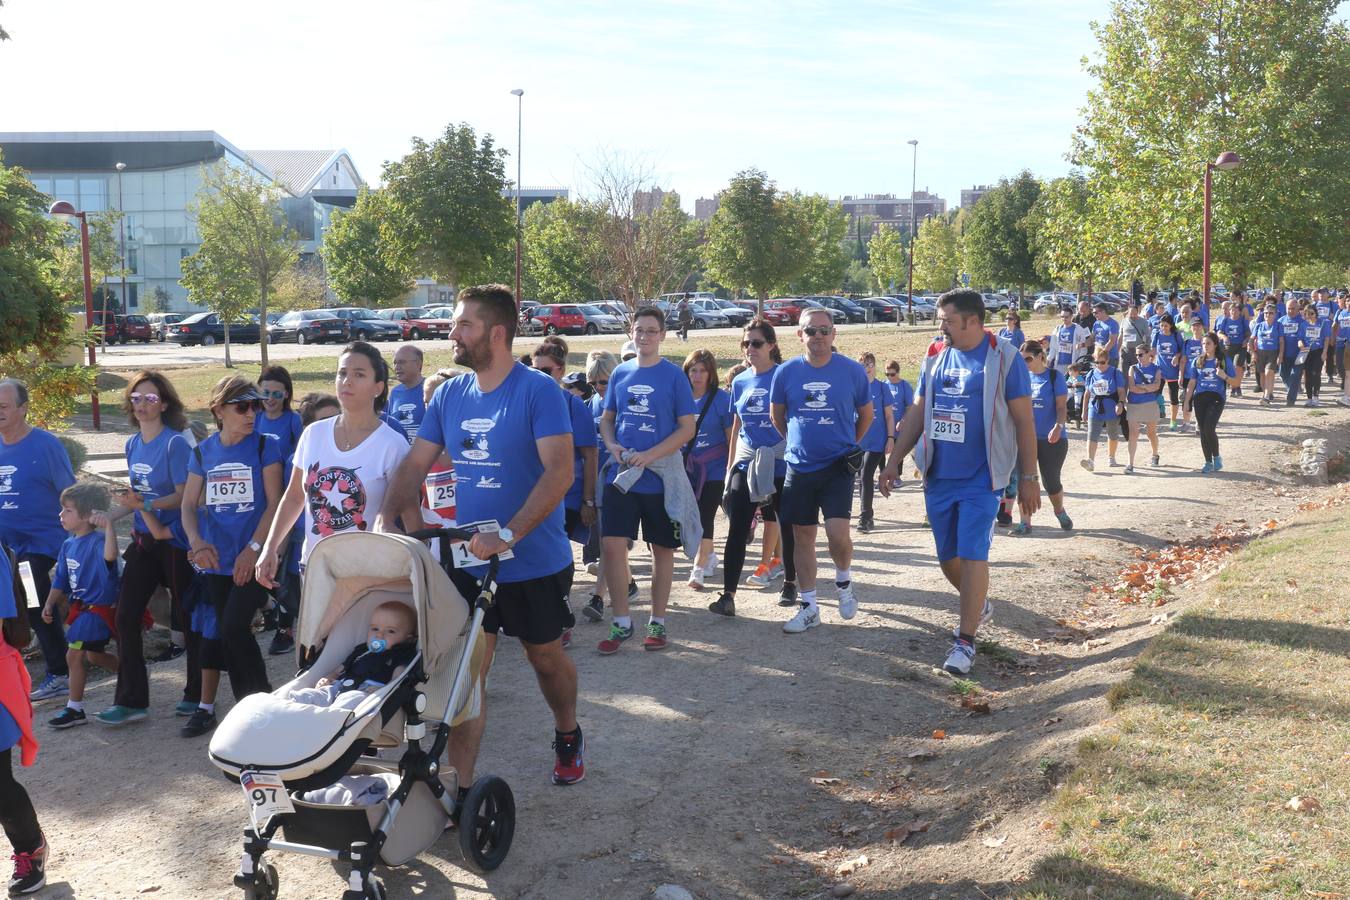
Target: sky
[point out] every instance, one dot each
(821, 95)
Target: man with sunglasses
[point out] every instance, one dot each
(406, 403)
(970, 425)
(822, 403)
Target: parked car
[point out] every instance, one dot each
(852, 311)
(575, 318)
(110, 331)
(308, 326)
(618, 311)
(1054, 300)
(414, 325)
(997, 302)
(708, 310)
(208, 329)
(738, 315)
(132, 328)
(881, 309)
(365, 324)
(160, 322)
(795, 305)
(773, 315)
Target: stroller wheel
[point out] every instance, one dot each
(264, 884)
(487, 823)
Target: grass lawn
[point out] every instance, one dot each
(194, 383)
(1233, 711)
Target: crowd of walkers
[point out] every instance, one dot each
(535, 460)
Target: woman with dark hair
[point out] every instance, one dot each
(876, 443)
(232, 491)
(1012, 329)
(1167, 343)
(157, 464)
(17, 815)
(1211, 375)
(1049, 410)
(756, 466)
(342, 465)
(280, 421)
(705, 458)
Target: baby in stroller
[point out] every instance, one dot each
(390, 646)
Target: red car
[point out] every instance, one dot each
(771, 314)
(786, 312)
(416, 324)
(559, 318)
(132, 328)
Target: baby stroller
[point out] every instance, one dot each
(279, 749)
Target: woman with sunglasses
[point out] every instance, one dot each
(876, 443)
(157, 464)
(705, 457)
(754, 450)
(1050, 411)
(342, 466)
(1211, 375)
(1143, 384)
(1012, 330)
(232, 492)
(279, 420)
(1105, 391)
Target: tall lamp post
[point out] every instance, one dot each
(913, 227)
(63, 210)
(122, 236)
(1226, 160)
(520, 104)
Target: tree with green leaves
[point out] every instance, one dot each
(1178, 83)
(245, 246)
(828, 247)
(159, 300)
(447, 214)
(996, 245)
(1060, 234)
(105, 260)
(889, 258)
(937, 255)
(1317, 273)
(756, 239)
(359, 252)
(561, 260)
(302, 286)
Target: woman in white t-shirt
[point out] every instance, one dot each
(342, 466)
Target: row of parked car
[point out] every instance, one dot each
(308, 326)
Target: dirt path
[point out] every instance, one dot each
(702, 759)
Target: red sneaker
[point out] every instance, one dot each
(656, 637)
(617, 636)
(570, 768)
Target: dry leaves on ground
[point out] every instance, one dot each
(901, 833)
(1303, 804)
(1157, 571)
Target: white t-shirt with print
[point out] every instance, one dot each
(344, 490)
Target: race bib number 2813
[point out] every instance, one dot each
(949, 426)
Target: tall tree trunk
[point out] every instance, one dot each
(262, 321)
(763, 296)
(228, 363)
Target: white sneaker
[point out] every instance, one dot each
(776, 571)
(806, 617)
(711, 568)
(960, 658)
(593, 569)
(1088, 464)
(986, 616)
(848, 602)
(696, 578)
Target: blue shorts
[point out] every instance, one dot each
(622, 513)
(962, 517)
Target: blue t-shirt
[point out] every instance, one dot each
(713, 433)
(407, 407)
(1045, 388)
(1294, 330)
(1105, 385)
(1233, 329)
(1014, 337)
(9, 728)
(1267, 335)
(822, 409)
(958, 411)
(490, 438)
(1343, 325)
(1145, 375)
(597, 408)
(1202, 313)
(1205, 374)
(1064, 335)
(583, 435)
(875, 439)
(83, 574)
(1103, 331)
(1193, 348)
(902, 398)
(233, 497)
(1318, 332)
(1168, 346)
(750, 399)
(286, 429)
(395, 424)
(647, 402)
(1326, 309)
(157, 469)
(33, 473)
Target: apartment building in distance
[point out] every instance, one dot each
(869, 212)
(971, 196)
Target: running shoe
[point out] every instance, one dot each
(761, 577)
(282, 642)
(570, 767)
(724, 605)
(632, 591)
(1113, 463)
(1004, 515)
(186, 707)
(848, 602)
(1022, 528)
(1207, 468)
(1265, 401)
(711, 568)
(806, 617)
(656, 637)
(960, 658)
(1343, 401)
(986, 616)
(1218, 464)
(1129, 469)
(29, 871)
(789, 595)
(200, 723)
(696, 577)
(865, 524)
(1156, 461)
(775, 568)
(121, 715)
(172, 652)
(51, 686)
(593, 569)
(594, 608)
(617, 636)
(1064, 521)
(1174, 426)
(69, 718)
(1310, 402)
(1088, 464)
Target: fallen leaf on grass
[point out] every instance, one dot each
(853, 865)
(901, 833)
(826, 781)
(1053, 720)
(1303, 804)
(1159, 619)
(979, 707)
(939, 734)
(1269, 524)
(1326, 895)
(993, 842)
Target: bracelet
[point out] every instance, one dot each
(1026, 477)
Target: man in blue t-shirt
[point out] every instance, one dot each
(507, 431)
(970, 426)
(34, 470)
(1293, 349)
(1106, 332)
(822, 403)
(406, 405)
(649, 415)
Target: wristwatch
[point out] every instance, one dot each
(255, 546)
(588, 503)
(145, 505)
(1032, 477)
(507, 535)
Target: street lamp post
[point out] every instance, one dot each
(1226, 160)
(913, 227)
(122, 236)
(520, 104)
(62, 209)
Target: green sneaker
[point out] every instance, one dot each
(185, 708)
(656, 637)
(121, 715)
(616, 638)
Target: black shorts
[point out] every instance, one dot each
(1241, 357)
(828, 491)
(622, 512)
(92, 646)
(213, 654)
(708, 502)
(531, 610)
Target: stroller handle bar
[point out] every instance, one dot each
(445, 536)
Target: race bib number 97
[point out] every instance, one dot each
(266, 794)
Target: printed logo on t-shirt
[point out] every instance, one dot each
(7, 478)
(140, 478)
(954, 381)
(825, 420)
(754, 404)
(818, 392)
(478, 444)
(405, 413)
(485, 481)
(337, 499)
(639, 399)
(73, 567)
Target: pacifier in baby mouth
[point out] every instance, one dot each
(378, 645)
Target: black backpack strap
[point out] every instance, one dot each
(698, 423)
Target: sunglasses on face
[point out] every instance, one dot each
(754, 342)
(893, 373)
(813, 330)
(137, 397)
(1030, 356)
(274, 395)
(243, 406)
